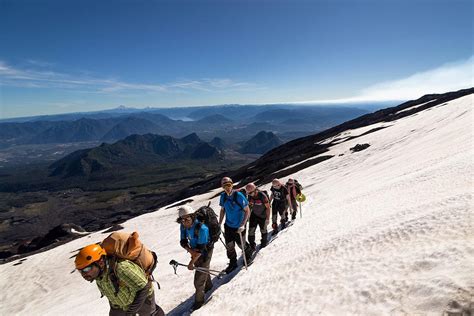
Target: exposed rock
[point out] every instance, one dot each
(359, 147)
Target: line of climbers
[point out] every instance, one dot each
(122, 266)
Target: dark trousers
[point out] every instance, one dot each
(148, 308)
(202, 281)
(255, 221)
(293, 209)
(232, 237)
(279, 208)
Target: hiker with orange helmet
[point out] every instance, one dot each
(132, 294)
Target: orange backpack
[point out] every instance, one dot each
(122, 245)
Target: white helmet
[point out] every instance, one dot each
(226, 180)
(185, 210)
(250, 187)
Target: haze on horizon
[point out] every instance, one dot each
(62, 57)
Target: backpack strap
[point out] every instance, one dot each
(112, 270)
(197, 228)
(234, 199)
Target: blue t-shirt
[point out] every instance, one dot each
(188, 233)
(234, 213)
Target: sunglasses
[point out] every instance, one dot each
(86, 269)
(251, 192)
(276, 186)
(187, 219)
(227, 185)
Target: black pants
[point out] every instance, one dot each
(279, 208)
(232, 237)
(253, 223)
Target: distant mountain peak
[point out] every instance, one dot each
(192, 138)
(261, 143)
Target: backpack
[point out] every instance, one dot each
(298, 185)
(265, 192)
(206, 215)
(126, 246)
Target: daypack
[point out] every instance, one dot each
(122, 245)
(298, 185)
(266, 194)
(206, 215)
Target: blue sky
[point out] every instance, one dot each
(69, 56)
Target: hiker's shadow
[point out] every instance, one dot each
(184, 307)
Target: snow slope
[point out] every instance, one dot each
(385, 231)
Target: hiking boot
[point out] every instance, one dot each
(196, 305)
(275, 228)
(208, 288)
(231, 267)
(264, 241)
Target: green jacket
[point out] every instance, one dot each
(131, 280)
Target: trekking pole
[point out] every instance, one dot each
(243, 250)
(301, 210)
(220, 238)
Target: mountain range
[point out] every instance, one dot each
(385, 228)
(134, 151)
(231, 123)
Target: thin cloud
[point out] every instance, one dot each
(32, 78)
(448, 77)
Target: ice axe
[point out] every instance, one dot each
(301, 198)
(175, 265)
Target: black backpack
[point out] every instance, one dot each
(206, 215)
(298, 185)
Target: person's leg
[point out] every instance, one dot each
(294, 205)
(252, 228)
(263, 232)
(274, 213)
(246, 247)
(200, 279)
(149, 307)
(283, 214)
(116, 312)
(206, 264)
(229, 236)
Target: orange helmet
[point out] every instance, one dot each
(89, 254)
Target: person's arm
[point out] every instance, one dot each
(246, 216)
(133, 277)
(221, 216)
(194, 257)
(140, 298)
(267, 205)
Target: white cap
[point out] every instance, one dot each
(185, 210)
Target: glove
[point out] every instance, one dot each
(190, 265)
(240, 229)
